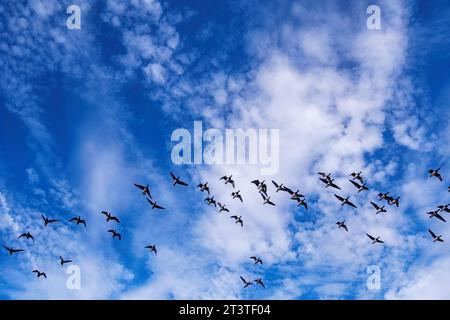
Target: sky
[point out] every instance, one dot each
(87, 112)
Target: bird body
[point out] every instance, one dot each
(176, 180)
(236, 194)
(435, 237)
(345, 201)
(40, 274)
(115, 234)
(145, 190)
(204, 187)
(78, 220)
(154, 205)
(238, 220)
(152, 248)
(374, 240)
(228, 180)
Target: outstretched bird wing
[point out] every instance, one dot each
(333, 185)
(182, 183)
(275, 184)
(173, 176)
(243, 280)
(339, 197)
(371, 238)
(159, 207)
(356, 184)
(432, 234)
(139, 186)
(437, 215)
(375, 205)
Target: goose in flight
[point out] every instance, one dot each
(177, 180)
(62, 261)
(246, 283)
(329, 183)
(374, 240)
(12, 251)
(384, 196)
(435, 173)
(154, 204)
(115, 234)
(211, 201)
(47, 220)
(228, 180)
(78, 220)
(26, 235)
(259, 281)
(295, 195)
(436, 214)
(326, 176)
(238, 220)
(152, 248)
(281, 187)
(267, 200)
(40, 274)
(378, 208)
(204, 187)
(257, 260)
(109, 217)
(236, 194)
(145, 190)
(341, 224)
(222, 208)
(391, 201)
(360, 187)
(435, 237)
(344, 201)
(357, 176)
(444, 208)
(261, 186)
(302, 202)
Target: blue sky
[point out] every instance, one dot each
(86, 113)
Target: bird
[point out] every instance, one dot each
(204, 187)
(267, 199)
(26, 235)
(392, 201)
(48, 221)
(246, 283)
(341, 224)
(435, 173)
(210, 201)
(435, 237)
(257, 260)
(325, 175)
(357, 176)
(109, 217)
(260, 185)
(448, 188)
(115, 234)
(177, 180)
(384, 196)
(236, 194)
(329, 183)
(238, 220)
(145, 190)
(78, 220)
(374, 240)
(259, 281)
(378, 208)
(228, 180)
(222, 208)
(344, 201)
(62, 261)
(436, 215)
(39, 274)
(152, 248)
(359, 186)
(280, 187)
(294, 195)
(12, 251)
(154, 205)
(444, 208)
(302, 202)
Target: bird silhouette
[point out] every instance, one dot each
(204, 187)
(152, 248)
(222, 208)
(26, 235)
(40, 274)
(294, 195)
(329, 183)
(435, 214)
(110, 217)
(444, 208)
(266, 199)
(345, 201)
(261, 186)
(246, 283)
(435, 237)
(115, 234)
(357, 176)
(145, 190)
(228, 180)
(359, 186)
(341, 224)
(435, 173)
(259, 281)
(238, 220)
(374, 240)
(176, 180)
(48, 221)
(384, 196)
(12, 251)
(256, 260)
(63, 262)
(281, 187)
(378, 208)
(236, 194)
(302, 202)
(326, 176)
(211, 201)
(154, 204)
(78, 220)
(391, 201)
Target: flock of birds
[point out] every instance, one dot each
(356, 180)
